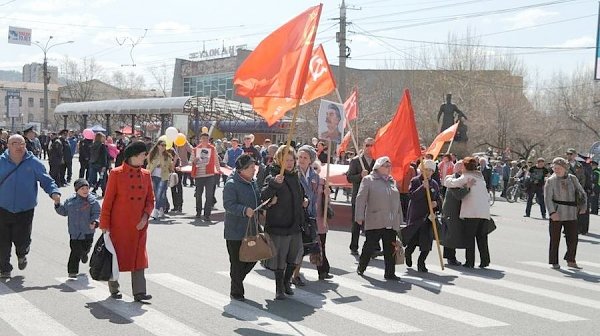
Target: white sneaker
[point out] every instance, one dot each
(154, 214)
(161, 213)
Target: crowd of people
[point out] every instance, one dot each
(132, 176)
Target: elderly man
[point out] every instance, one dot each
(20, 171)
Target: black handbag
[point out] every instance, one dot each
(310, 238)
(101, 261)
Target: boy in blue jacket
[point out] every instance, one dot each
(83, 212)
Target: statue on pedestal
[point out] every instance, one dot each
(449, 110)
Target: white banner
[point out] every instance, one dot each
(14, 111)
(18, 35)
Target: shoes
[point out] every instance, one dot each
(198, 215)
(392, 277)
(421, 268)
(22, 263)
(116, 295)
(525, 215)
(468, 265)
(354, 252)
(298, 282)
(555, 266)
(84, 258)
(206, 218)
(574, 265)
(237, 297)
(376, 254)
(408, 260)
(544, 217)
(360, 272)
(324, 276)
(142, 297)
(482, 265)
(454, 262)
(73, 275)
(5, 275)
(154, 214)
(161, 213)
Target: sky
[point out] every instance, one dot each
(547, 34)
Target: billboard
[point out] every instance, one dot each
(13, 103)
(18, 35)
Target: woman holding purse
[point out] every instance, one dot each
(240, 197)
(160, 165)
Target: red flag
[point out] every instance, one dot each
(399, 139)
(319, 83)
(351, 106)
(279, 65)
(344, 144)
(438, 142)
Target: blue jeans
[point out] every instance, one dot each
(160, 192)
(93, 172)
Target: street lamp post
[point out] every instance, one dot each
(45, 48)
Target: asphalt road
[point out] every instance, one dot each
(188, 277)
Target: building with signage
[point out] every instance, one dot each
(34, 73)
(31, 103)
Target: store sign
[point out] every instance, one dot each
(13, 102)
(216, 53)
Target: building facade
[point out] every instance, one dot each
(31, 107)
(34, 73)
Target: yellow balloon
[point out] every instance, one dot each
(204, 129)
(180, 140)
(168, 143)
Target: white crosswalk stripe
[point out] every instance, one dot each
(151, 320)
(346, 311)
(549, 314)
(263, 319)
(19, 314)
(412, 302)
(552, 294)
(587, 263)
(570, 270)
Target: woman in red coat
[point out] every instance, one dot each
(127, 205)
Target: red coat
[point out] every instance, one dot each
(128, 195)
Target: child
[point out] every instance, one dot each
(83, 213)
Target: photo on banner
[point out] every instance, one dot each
(331, 121)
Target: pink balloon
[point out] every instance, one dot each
(88, 134)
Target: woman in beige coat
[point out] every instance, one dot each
(160, 165)
(378, 209)
(564, 198)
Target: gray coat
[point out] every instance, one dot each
(378, 203)
(453, 225)
(564, 189)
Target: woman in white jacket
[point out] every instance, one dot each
(474, 211)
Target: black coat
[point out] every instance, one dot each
(452, 224)
(287, 215)
(354, 174)
(55, 155)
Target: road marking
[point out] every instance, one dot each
(552, 294)
(371, 320)
(270, 322)
(412, 302)
(26, 318)
(145, 317)
(587, 263)
(487, 298)
(547, 277)
(567, 269)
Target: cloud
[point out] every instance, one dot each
(583, 41)
(529, 17)
(51, 5)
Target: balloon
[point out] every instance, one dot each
(169, 143)
(181, 139)
(171, 133)
(204, 129)
(88, 134)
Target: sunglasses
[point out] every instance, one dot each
(368, 145)
(162, 145)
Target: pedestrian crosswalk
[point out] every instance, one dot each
(528, 290)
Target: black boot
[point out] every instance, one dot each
(421, 262)
(279, 289)
(287, 279)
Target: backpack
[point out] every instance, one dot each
(101, 261)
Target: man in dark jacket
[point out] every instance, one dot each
(66, 167)
(84, 148)
(360, 166)
(56, 160)
(44, 141)
(20, 173)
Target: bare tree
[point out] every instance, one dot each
(79, 77)
(163, 75)
(130, 83)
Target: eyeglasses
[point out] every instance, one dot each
(162, 145)
(368, 145)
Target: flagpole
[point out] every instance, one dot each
(289, 137)
(432, 218)
(326, 184)
(452, 141)
(350, 130)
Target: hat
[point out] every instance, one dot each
(243, 161)
(571, 151)
(429, 164)
(81, 182)
(28, 129)
(134, 149)
(118, 132)
(63, 131)
(381, 161)
(560, 162)
(310, 151)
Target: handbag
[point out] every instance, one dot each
(490, 225)
(257, 247)
(173, 180)
(101, 261)
(398, 252)
(310, 239)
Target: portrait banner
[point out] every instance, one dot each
(331, 121)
